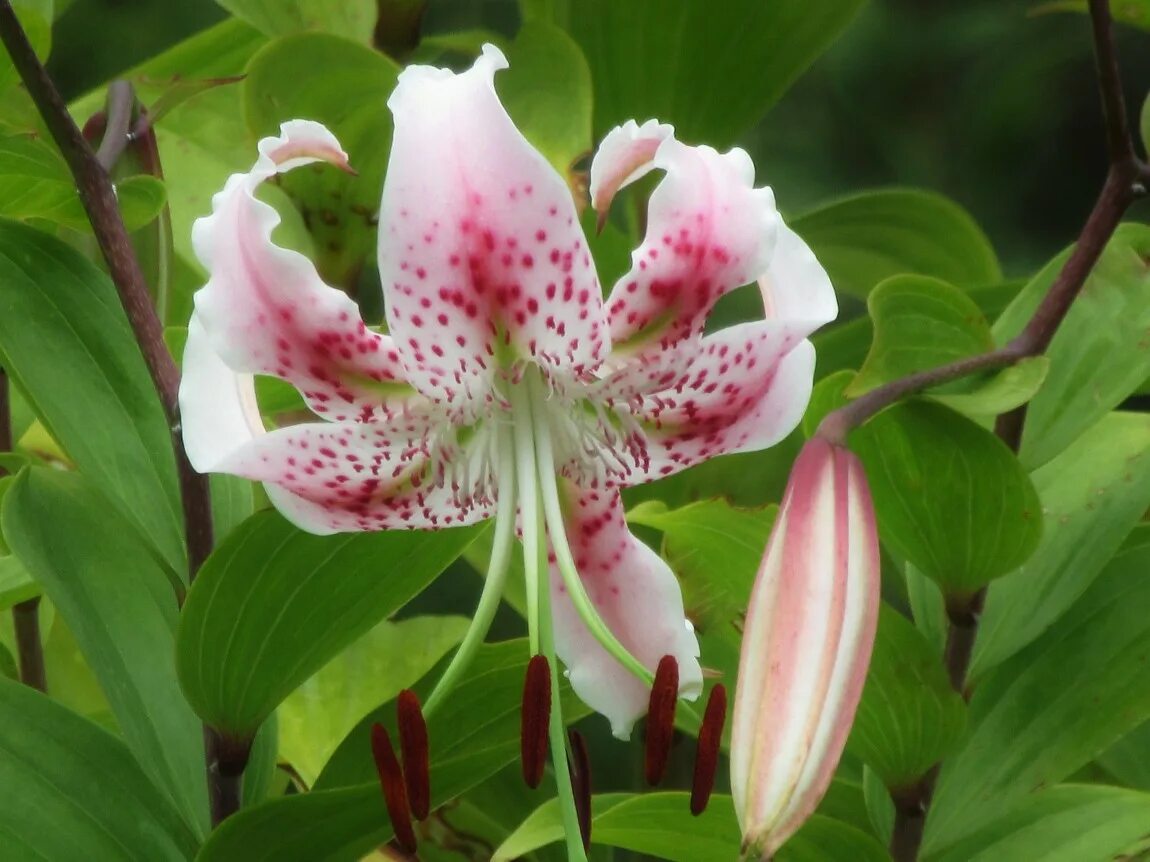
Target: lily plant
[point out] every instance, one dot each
(505, 385)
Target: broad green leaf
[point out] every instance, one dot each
(919, 323)
(478, 723)
(715, 549)
(711, 69)
(659, 825)
(260, 773)
(351, 19)
(474, 735)
(547, 92)
(927, 607)
(1098, 356)
(879, 806)
(1092, 496)
(36, 19)
(868, 237)
(990, 394)
(1128, 759)
(95, 395)
(120, 605)
(69, 790)
(827, 396)
(35, 183)
(909, 717)
(350, 98)
(315, 718)
(16, 585)
(841, 347)
(273, 605)
(950, 497)
(1068, 823)
(1052, 707)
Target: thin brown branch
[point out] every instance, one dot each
(29, 645)
(1119, 143)
(99, 200)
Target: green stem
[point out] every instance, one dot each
(563, 557)
(497, 569)
(530, 468)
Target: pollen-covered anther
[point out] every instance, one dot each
(661, 719)
(413, 744)
(581, 784)
(394, 791)
(707, 750)
(534, 720)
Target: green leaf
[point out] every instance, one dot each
(120, 605)
(350, 98)
(1052, 707)
(273, 605)
(991, 394)
(69, 790)
(909, 717)
(36, 20)
(827, 396)
(547, 92)
(473, 736)
(351, 19)
(864, 239)
(16, 585)
(1099, 354)
(1128, 759)
(95, 396)
(35, 183)
(260, 773)
(711, 69)
(715, 549)
(919, 323)
(1069, 823)
(657, 825)
(950, 497)
(1092, 496)
(316, 717)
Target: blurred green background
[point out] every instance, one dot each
(981, 100)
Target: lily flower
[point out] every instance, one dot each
(806, 645)
(505, 386)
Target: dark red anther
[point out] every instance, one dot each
(534, 720)
(707, 751)
(581, 785)
(394, 792)
(416, 756)
(661, 718)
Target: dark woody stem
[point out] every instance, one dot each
(99, 200)
(1125, 182)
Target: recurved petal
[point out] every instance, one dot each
(638, 597)
(796, 289)
(809, 632)
(482, 257)
(708, 231)
(218, 409)
(350, 477)
(625, 154)
(265, 309)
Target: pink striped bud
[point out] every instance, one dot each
(809, 632)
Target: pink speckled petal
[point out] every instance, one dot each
(332, 477)
(740, 390)
(708, 231)
(626, 154)
(638, 597)
(481, 254)
(807, 641)
(265, 309)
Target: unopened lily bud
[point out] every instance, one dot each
(807, 642)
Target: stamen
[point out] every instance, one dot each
(581, 784)
(394, 792)
(416, 759)
(661, 718)
(534, 720)
(707, 751)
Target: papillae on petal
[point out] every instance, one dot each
(636, 594)
(807, 641)
(481, 254)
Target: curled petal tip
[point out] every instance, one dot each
(806, 645)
